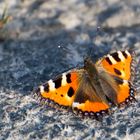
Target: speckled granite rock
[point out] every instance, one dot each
(48, 37)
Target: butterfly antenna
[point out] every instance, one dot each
(91, 48)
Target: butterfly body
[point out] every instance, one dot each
(93, 89)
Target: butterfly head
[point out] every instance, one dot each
(90, 67)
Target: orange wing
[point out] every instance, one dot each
(121, 64)
(61, 90)
(118, 64)
(87, 101)
(69, 88)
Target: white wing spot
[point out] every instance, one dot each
(111, 59)
(75, 104)
(51, 85)
(127, 53)
(41, 89)
(125, 82)
(121, 56)
(64, 79)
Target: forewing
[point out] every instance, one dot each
(61, 90)
(120, 64)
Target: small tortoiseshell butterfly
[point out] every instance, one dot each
(93, 89)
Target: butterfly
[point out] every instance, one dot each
(94, 88)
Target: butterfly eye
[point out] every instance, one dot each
(88, 62)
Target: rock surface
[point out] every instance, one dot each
(46, 38)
